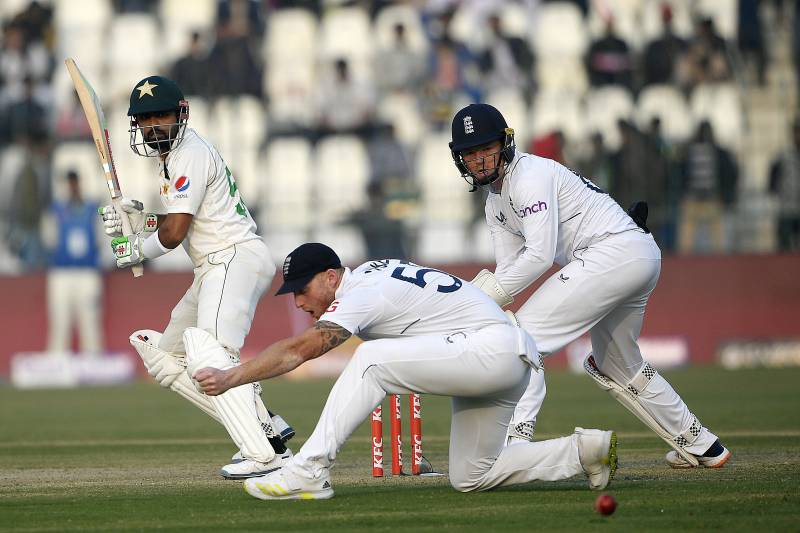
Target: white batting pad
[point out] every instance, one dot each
(237, 407)
(628, 397)
(166, 367)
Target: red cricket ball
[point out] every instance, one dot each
(605, 504)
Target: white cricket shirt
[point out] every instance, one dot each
(392, 298)
(198, 182)
(544, 214)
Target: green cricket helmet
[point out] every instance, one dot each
(155, 95)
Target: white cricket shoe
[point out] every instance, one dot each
(521, 432)
(290, 483)
(597, 452)
(247, 468)
(715, 457)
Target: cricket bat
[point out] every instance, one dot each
(97, 122)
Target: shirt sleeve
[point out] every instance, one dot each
(189, 172)
(355, 312)
(536, 203)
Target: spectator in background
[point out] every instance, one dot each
(27, 204)
(609, 60)
(345, 105)
(388, 158)
(507, 62)
(21, 61)
(663, 54)
(36, 22)
(391, 166)
(399, 67)
(384, 237)
(710, 176)
(598, 165)
(71, 123)
(751, 39)
(664, 209)
(549, 145)
(191, 72)
(784, 183)
(241, 18)
(25, 119)
(796, 39)
(232, 64)
(631, 167)
(706, 59)
(451, 75)
(74, 283)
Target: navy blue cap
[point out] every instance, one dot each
(305, 262)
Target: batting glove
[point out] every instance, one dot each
(128, 250)
(140, 222)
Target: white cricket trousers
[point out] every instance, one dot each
(605, 290)
(74, 294)
(223, 296)
(485, 377)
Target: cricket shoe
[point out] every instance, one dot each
(597, 452)
(290, 483)
(521, 432)
(247, 468)
(715, 457)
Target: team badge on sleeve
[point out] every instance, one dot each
(182, 184)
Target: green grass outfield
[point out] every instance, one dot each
(138, 458)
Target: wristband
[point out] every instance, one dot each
(152, 247)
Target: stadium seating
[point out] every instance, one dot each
(285, 188)
(341, 170)
(626, 17)
(343, 34)
(721, 105)
(388, 17)
(668, 104)
(560, 32)
(180, 19)
(557, 110)
(514, 110)
(82, 158)
(605, 106)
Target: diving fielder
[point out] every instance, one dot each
(539, 213)
(232, 267)
(425, 331)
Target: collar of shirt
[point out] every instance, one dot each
(344, 284)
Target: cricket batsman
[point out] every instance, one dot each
(232, 268)
(540, 213)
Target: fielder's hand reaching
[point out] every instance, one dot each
(213, 381)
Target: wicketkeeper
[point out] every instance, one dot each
(540, 212)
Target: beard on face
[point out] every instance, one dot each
(157, 139)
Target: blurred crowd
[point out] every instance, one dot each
(692, 184)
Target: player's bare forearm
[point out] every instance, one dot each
(173, 228)
(287, 354)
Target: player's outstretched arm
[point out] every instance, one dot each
(277, 359)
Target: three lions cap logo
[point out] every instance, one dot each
(286, 265)
(468, 128)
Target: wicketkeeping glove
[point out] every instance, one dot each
(128, 250)
(140, 222)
